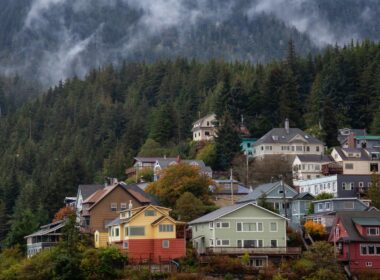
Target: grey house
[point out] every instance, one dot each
(300, 207)
(274, 193)
(240, 228)
(324, 210)
(48, 236)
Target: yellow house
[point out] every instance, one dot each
(147, 232)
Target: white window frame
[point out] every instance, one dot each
(276, 243)
(219, 224)
(123, 206)
(166, 228)
(211, 242)
(257, 227)
(211, 225)
(375, 228)
(368, 264)
(270, 227)
(113, 206)
(219, 243)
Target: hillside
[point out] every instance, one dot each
(52, 40)
(83, 130)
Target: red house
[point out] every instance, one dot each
(356, 235)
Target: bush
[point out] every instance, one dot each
(315, 229)
(225, 264)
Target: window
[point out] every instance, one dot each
(123, 206)
(250, 243)
(348, 205)
(374, 167)
(327, 205)
(258, 262)
(207, 133)
(307, 149)
(372, 231)
(223, 224)
(320, 206)
(166, 228)
(211, 242)
(299, 148)
(125, 245)
(136, 231)
(347, 186)
(317, 149)
(368, 264)
(211, 225)
(273, 226)
(361, 184)
(117, 232)
(248, 145)
(222, 242)
(268, 148)
(349, 166)
(247, 227)
(273, 243)
(113, 206)
(150, 213)
(165, 244)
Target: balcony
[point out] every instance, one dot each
(332, 168)
(253, 251)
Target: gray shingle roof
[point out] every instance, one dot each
(113, 222)
(280, 135)
(200, 163)
(87, 190)
(152, 159)
(348, 220)
(304, 195)
(315, 158)
(364, 153)
(259, 190)
(218, 213)
(48, 229)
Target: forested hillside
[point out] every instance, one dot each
(53, 40)
(83, 130)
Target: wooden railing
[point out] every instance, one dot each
(260, 250)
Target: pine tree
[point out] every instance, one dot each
(227, 143)
(329, 124)
(3, 222)
(374, 190)
(314, 104)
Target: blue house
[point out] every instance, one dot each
(247, 146)
(300, 208)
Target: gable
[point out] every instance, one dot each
(277, 192)
(298, 138)
(251, 211)
(117, 194)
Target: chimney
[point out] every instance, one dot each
(287, 125)
(351, 141)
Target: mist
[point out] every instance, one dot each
(58, 39)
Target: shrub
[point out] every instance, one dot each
(225, 264)
(315, 229)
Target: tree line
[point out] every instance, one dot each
(85, 129)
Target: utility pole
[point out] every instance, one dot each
(247, 169)
(232, 187)
(284, 196)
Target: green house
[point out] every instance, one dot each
(241, 228)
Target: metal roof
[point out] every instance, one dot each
(282, 136)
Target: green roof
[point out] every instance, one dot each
(366, 221)
(368, 137)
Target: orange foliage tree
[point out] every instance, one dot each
(178, 179)
(63, 212)
(314, 229)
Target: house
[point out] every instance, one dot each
(274, 193)
(84, 191)
(47, 236)
(357, 161)
(300, 208)
(103, 206)
(356, 237)
(324, 210)
(368, 141)
(246, 146)
(344, 133)
(239, 228)
(226, 192)
(161, 164)
(287, 142)
(338, 185)
(147, 233)
(307, 167)
(140, 163)
(204, 129)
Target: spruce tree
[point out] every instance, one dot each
(227, 142)
(329, 124)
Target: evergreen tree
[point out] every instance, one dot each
(329, 124)
(374, 190)
(227, 143)
(162, 125)
(3, 222)
(314, 104)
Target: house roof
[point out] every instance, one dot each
(259, 190)
(152, 159)
(132, 189)
(341, 199)
(200, 163)
(343, 137)
(314, 158)
(350, 218)
(364, 153)
(368, 137)
(200, 121)
(281, 136)
(87, 190)
(365, 221)
(303, 196)
(226, 210)
(46, 229)
(114, 222)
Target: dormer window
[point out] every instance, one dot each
(274, 137)
(372, 231)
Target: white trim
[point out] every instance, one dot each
(257, 243)
(257, 227)
(211, 223)
(220, 223)
(270, 226)
(221, 243)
